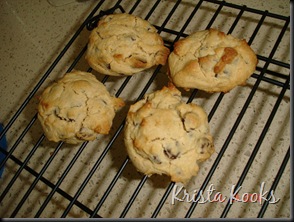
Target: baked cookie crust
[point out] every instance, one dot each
(211, 61)
(76, 108)
(124, 44)
(164, 135)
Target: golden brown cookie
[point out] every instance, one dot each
(76, 108)
(124, 44)
(164, 135)
(212, 61)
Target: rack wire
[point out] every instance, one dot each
(97, 179)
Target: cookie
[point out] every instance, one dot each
(211, 61)
(124, 44)
(164, 135)
(76, 108)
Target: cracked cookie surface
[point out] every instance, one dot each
(76, 108)
(124, 44)
(212, 61)
(164, 135)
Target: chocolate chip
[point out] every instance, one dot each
(170, 155)
(205, 145)
(156, 159)
(107, 66)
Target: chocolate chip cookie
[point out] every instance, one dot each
(76, 108)
(164, 135)
(124, 44)
(212, 61)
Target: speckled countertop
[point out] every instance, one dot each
(32, 35)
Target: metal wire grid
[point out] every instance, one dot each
(265, 75)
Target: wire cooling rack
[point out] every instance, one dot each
(250, 125)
